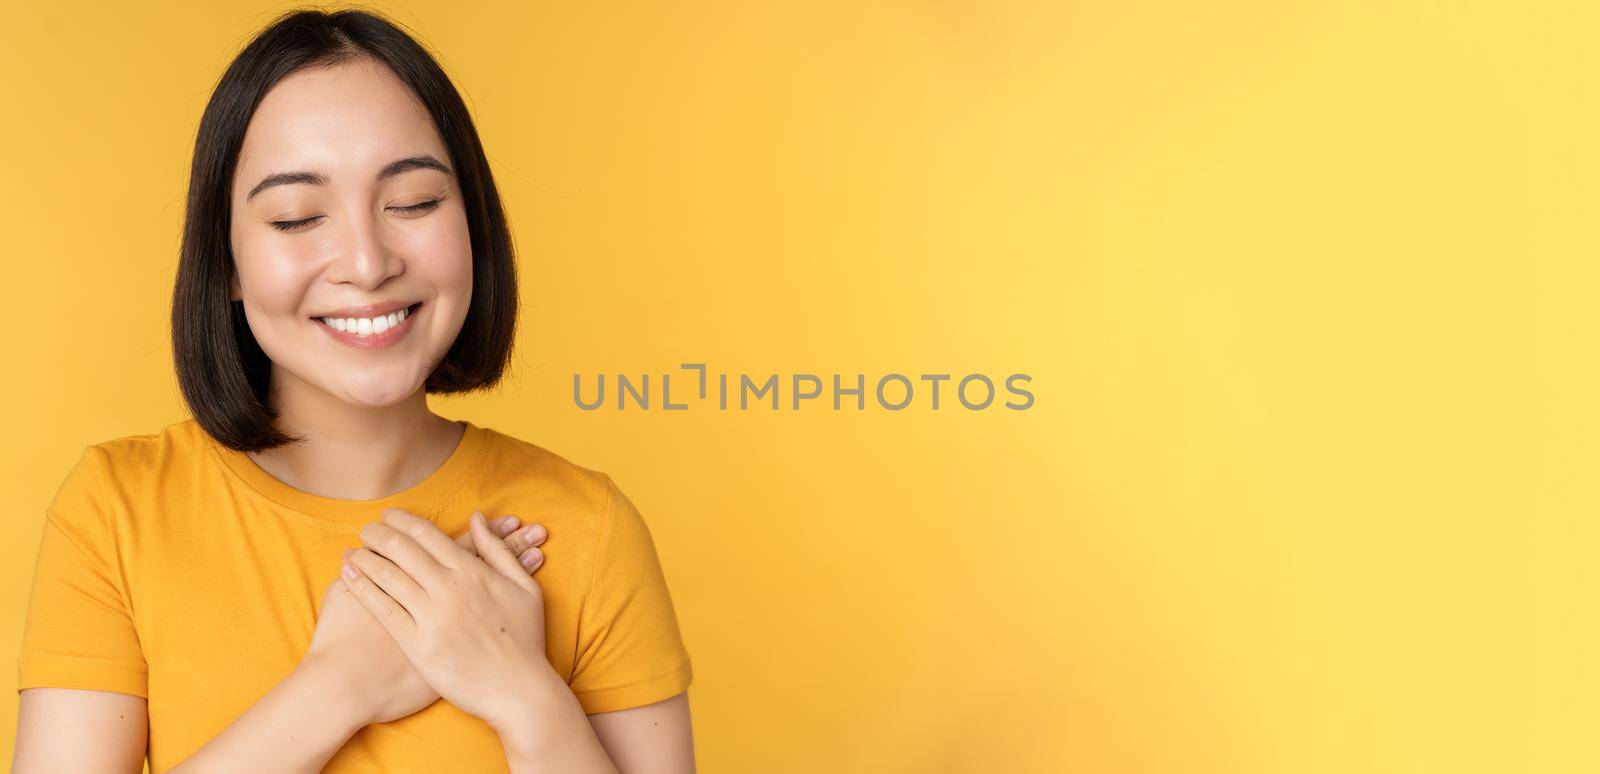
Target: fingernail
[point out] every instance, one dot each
(347, 552)
(530, 557)
(349, 572)
(508, 523)
(533, 532)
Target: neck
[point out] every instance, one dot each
(355, 452)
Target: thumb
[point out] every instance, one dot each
(493, 550)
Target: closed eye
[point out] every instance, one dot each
(292, 225)
(299, 225)
(418, 207)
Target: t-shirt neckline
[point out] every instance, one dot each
(422, 499)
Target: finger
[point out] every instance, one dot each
(503, 527)
(389, 579)
(426, 534)
(394, 618)
(530, 557)
(525, 538)
(494, 552)
(400, 548)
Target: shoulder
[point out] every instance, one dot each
(111, 470)
(129, 456)
(534, 470)
(614, 523)
(186, 435)
(580, 503)
(110, 478)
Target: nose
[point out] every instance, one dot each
(363, 258)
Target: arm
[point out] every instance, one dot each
(475, 632)
(303, 721)
(556, 736)
(81, 671)
(471, 631)
(297, 726)
(654, 739)
(630, 638)
(547, 732)
(53, 722)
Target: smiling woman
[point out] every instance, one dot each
(344, 256)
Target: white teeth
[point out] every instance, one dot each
(365, 326)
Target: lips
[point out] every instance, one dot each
(374, 332)
(367, 310)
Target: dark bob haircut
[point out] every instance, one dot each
(222, 371)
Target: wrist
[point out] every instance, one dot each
(540, 696)
(332, 691)
(552, 732)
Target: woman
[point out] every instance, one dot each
(344, 254)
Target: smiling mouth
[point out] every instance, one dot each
(365, 326)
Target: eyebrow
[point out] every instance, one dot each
(419, 161)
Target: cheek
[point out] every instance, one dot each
(270, 278)
(444, 253)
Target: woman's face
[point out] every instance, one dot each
(325, 222)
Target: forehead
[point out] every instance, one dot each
(347, 121)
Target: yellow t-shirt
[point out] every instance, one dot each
(176, 569)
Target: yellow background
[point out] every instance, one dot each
(1306, 289)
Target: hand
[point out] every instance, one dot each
(354, 650)
(521, 542)
(473, 631)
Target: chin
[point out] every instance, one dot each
(379, 395)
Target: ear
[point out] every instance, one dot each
(234, 291)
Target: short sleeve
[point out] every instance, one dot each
(79, 631)
(630, 650)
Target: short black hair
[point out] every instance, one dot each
(222, 371)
